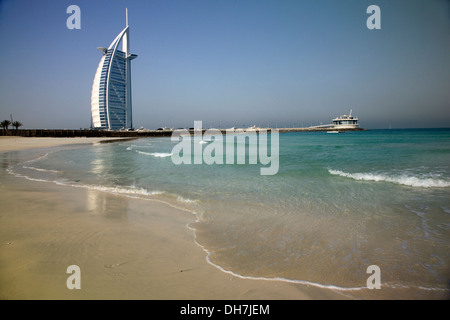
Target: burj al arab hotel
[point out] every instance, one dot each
(111, 90)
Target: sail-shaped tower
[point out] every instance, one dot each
(111, 91)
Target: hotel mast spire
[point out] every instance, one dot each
(126, 37)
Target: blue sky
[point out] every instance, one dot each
(232, 62)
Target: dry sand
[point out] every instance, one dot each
(11, 143)
(125, 248)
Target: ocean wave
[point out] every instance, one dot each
(134, 146)
(129, 191)
(403, 179)
(45, 156)
(41, 170)
(155, 154)
(185, 200)
(19, 175)
(123, 190)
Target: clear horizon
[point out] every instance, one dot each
(232, 63)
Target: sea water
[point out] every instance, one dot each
(338, 204)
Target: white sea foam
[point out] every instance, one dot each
(403, 179)
(18, 175)
(181, 199)
(123, 190)
(45, 156)
(42, 170)
(155, 154)
(161, 154)
(130, 191)
(131, 146)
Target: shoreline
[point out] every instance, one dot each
(126, 248)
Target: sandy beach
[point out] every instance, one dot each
(11, 143)
(126, 248)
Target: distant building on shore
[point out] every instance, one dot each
(111, 91)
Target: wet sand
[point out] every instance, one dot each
(126, 248)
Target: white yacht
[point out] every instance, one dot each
(345, 122)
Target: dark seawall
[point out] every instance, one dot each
(69, 133)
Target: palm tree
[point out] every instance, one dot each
(5, 124)
(17, 124)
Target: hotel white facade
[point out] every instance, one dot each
(111, 91)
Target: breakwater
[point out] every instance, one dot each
(73, 133)
(69, 133)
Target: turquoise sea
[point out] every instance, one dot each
(338, 204)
